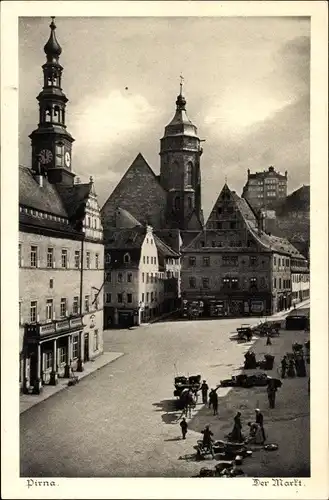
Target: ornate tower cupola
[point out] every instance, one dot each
(180, 153)
(51, 142)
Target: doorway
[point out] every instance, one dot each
(86, 347)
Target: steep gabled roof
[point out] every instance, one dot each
(44, 199)
(171, 237)
(75, 198)
(140, 193)
(164, 249)
(125, 239)
(139, 162)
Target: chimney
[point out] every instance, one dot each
(77, 180)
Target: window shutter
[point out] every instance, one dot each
(54, 315)
(54, 263)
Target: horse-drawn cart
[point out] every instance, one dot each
(186, 385)
(244, 332)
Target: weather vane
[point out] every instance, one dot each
(181, 83)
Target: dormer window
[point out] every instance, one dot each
(126, 258)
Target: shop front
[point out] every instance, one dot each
(225, 305)
(123, 318)
(50, 351)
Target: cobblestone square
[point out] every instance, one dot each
(121, 421)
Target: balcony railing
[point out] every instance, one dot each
(40, 330)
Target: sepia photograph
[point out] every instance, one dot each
(164, 248)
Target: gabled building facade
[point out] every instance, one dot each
(61, 250)
(141, 277)
(233, 268)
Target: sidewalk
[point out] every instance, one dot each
(287, 425)
(28, 400)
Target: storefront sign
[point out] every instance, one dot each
(47, 329)
(75, 322)
(62, 325)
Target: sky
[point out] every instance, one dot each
(246, 82)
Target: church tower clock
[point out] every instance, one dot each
(180, 176)
(51, 142)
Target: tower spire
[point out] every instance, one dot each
(181, 85)
(52, 48)
(51, 140)
(181, 101)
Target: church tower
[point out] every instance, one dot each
(51, 142)
(180, 153)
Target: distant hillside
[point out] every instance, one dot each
(293, 219)
(299, 200)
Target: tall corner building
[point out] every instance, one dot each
(265, 190)
(61, 250)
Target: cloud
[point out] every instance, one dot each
(103, 124)
(283, 140)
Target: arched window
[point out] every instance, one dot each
(48, 114)
(189, 171)
(56, 114)
(126, 258)
(177, 203)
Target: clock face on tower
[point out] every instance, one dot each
(45, 156)
(67, 159)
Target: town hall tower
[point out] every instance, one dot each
(51, 142)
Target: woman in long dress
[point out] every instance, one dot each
(236, 434)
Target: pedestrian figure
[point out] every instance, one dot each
(260, 421)
(204, 392)
(207, 439)
(184, 426)
(236, 434)
(271, 390)
(283, 366)
(211, 397)
(291, 368)
(215, 403)
(255, 433)
(268, 341)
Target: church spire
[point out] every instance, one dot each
(181, 101)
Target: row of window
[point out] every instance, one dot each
(122, 277)
(298, 278)
(281, 261)
(227, 260)
(281, 283)
(64, 310)
(149, 260)
(229, 283)
(149, 296)
(64, 263)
